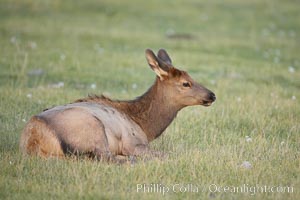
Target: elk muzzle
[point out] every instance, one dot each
(211, 97)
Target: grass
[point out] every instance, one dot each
(246, 52)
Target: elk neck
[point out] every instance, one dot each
(153, 111)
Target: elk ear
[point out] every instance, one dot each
(163, 55)
(158, 66)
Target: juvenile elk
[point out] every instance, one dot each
(105, 128)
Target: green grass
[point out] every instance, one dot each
(246, 52)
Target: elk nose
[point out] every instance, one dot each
(212, 96)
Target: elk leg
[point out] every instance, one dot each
(102, 152)
(144, 151)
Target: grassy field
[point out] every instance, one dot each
(247, 52)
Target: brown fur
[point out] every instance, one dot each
(143, 110)
(44, 144)
(106, 128)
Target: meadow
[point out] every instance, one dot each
(245, 146)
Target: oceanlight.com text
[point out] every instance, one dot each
(211, 188)
(252, 190)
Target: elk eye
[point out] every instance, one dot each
(186, 84)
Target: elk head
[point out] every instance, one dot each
(176, 85)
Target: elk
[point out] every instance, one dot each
(106, 128)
